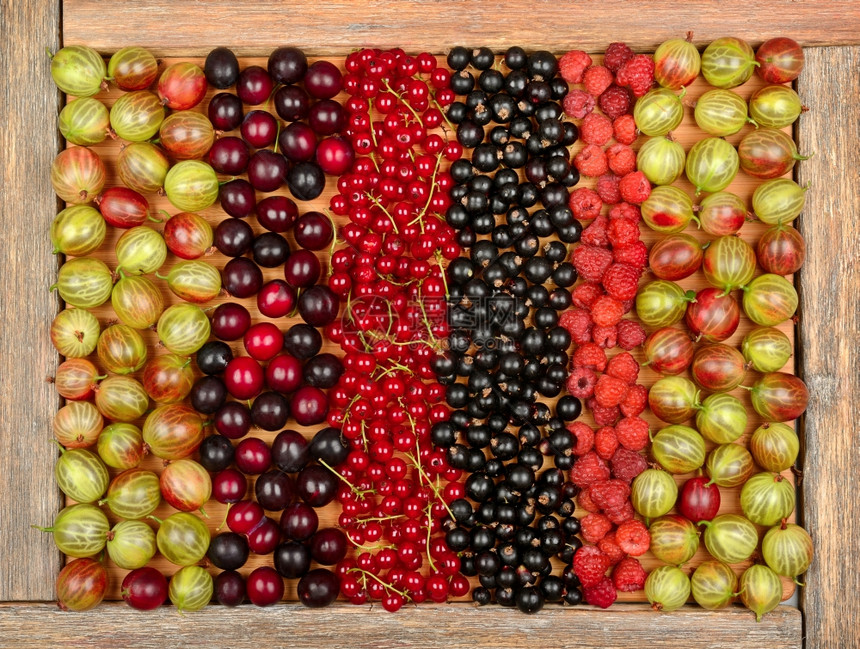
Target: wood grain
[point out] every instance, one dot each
(454, 626)
(28, 143)
(184, 27)
(829, 336)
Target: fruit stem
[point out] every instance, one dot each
(42, 529)
(360, 493)
(155, 518)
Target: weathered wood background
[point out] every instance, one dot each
(830, 305)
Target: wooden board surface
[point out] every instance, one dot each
(455, 626)
(830, 345)
(187, 27)
(686, 134)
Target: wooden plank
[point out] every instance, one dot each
(455, 626)
(829, 336)
(335, 27)
(28, 143)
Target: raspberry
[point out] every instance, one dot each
(591, 161)
(604, 337)
(578, 104)
(595, 234)
(614, 102)
(578, 324)
(596, 129)
(590, 565)
(626, 465)
(622, 232)
(585, 204)
(603, 416)
(621, 159)
(596, 79)
(585, 502)
(621, 514)
(629, 575)
(589, 469)
(621, 282)
(635, 254)
(625, 211)
(607, 189)
(584, 437)
(610, 548)
(628, 305)
(635, 187)
(632, 433)
(633, 538)
(630, 334)
(624, 128)
(610, 391)
(609, 494)
(605, 442)
(617, 54)
(581, 382)
(623, 366)
(595, 527)
(591, 262)
(572, 65)
(591, 356)
(637, 73)
(583, 295)
(602, 594)
(606, 311)
(637, 397)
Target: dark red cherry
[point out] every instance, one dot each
(309, 406)
(277, 213)
(233, 420)
(335, 155)
(276, 299)
(267, 170)
(302, 269)
(292, 103)
(237, 198)
(254, 85)
(144, 588)
(244, 378)
(265, 538)
(284, 374)
(313, 231)
(259, 129)
(241, 277)
(287, 65)
(233, 237)
(229, 486)
(225, 111)
(298, 142)
(229, 588)
(229, 156)
(327, 117)
(290, 451)
(265, 586)
(323, 80)
(263, 341)
(299, 522)
(318, 305)
(230, 321)
(252, 456)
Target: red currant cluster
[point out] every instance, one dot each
(395, 485)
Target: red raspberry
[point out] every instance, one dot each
(621, 159)
(596, 79)
(610, 548)
(591, 356)
(635, 187)
(617, 54)
(606, 311)
(604, 337)
(609, 494)
(602, 594)
(581, 382)
(614, 102)
(621, 282)
(635, 254)
(633, 538)
(584, 295)
(626, 465)
(585, 502)
(621, 514)
(637, 397)
(578, 323)
(594, 527)
(603, 416)
(590, 565)
(625, 129)
(628, 305)
(637, 73)
(623, 366)
(596, 129)
(591, 262)
(629, 575)
(607, 189)
(632, 433)
(630, 334)
(605, 442)
(589, 469)
(610, 391)
(572, 65)
(625, 211)
(622, 232)
(591, 161)
(585, 204)
(584, 437)
(595, 233)
(578, 104)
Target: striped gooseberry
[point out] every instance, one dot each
(191, 185)
(84, 282)
(677, 63)
(712, 164)
(133, 494)
(767, 498)
(787, 549)
(729, 262)
(667, 209)
(730, 538)
(661, 159)
(721, 418)
(667, 588)
(137, 301)
(78, 70)
(183, 328)
(132, 68)
(653, 493)
(713, 585)
(77, 175)
(84, 121)
(678, 449)
(728, 62)
(774, 446)
(769, 300)
(81, 475)
(721, 113)
(131, 544)
(768, 153)
(136, 116)
(775, 106)
(78, 230)
(659, 111)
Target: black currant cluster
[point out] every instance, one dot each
(506, 348)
